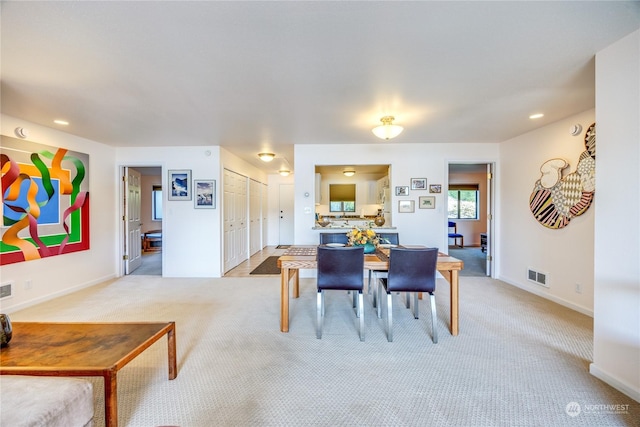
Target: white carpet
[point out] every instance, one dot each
(519, 360)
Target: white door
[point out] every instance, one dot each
(133, 223)
(229, 204)
(264, 211)
(286, 214)
(255, 202)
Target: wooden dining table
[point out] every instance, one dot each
(297, 258)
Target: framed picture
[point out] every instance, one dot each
(402, 191)
(435, 188)
(406, 206)
(205, 193)
(418, 183)
(427, 202)
(179, 184)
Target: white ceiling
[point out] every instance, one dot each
(262, 76)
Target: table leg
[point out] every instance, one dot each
(171, 342)
(110, 399)
(296, 284)
(454, 302)
(284, 299)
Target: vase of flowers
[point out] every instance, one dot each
(363, 237)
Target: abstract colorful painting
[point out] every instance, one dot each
(556, 198)
(45, 201)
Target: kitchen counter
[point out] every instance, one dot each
(349, 227)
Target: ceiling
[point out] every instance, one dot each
(263, 76)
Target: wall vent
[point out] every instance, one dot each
(6, 290)
(541, 279)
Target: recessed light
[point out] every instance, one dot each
(536, 116)
(284, 172)
(61, 122)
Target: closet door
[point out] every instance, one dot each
(235, 219)
(255, 201)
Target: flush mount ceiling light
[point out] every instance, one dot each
(61, 122)
(536, 116)
(387, 129)
(284, 172)
(266, 157)
(349, 172)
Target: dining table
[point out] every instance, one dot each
(297, 258)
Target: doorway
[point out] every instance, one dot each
(142, 216)
(470, 207)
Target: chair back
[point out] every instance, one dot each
(453, 225)
(340, 267)
(412, 269)
(391, 238)
(333, 238)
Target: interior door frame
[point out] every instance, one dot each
(121, 215)
(489, 198)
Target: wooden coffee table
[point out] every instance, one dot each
(84, 349)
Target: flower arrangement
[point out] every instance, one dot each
(359, 237)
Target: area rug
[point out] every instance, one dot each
(283, 246)
(268, 266)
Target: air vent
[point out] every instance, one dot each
(537, 277)
(6, 290)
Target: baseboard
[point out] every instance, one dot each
(614, 382)
(539, 292)
(54, 295)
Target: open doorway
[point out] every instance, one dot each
(469, 216)
(142, 240)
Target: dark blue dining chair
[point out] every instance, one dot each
(412, 271)
(333, 238)
(340, 268)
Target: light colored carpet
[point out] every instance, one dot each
(519, 360)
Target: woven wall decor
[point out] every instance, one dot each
(556, 198)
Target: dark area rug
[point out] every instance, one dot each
(283, 246)
(268, 266)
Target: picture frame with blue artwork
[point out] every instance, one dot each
(179, 184)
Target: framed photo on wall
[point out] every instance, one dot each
(406, 206)
(427, 202)
(435, 188)
(205, 193)
(402, 190)
(179, 184)
(418, 183)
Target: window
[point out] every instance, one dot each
(463, 201)
(156, 203)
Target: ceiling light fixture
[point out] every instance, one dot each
(349, 172)
(266, 157)
(536, 116)
(284, 172)
(387, 129)
(61, 122)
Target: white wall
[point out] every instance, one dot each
(565, 254)
(424, 226)
(616, 342)
(58, 275)
(191, 238)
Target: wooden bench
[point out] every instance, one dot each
(152, 241)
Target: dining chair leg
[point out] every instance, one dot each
(389, 318)
(361, 309)
(369, 283)
(355, 301)
(416, 307)
(408, 299)
(319, 313)
(434, 319)
(376, 293)
(378, 308)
